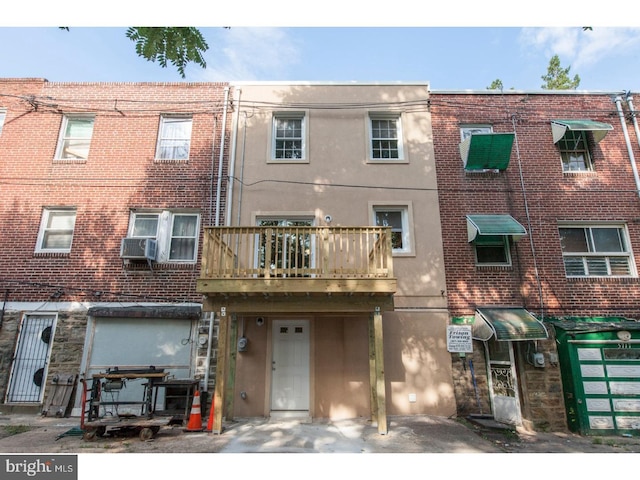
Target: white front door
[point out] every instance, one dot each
(290, 365)
(503, 383)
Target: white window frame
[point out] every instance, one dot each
(585, 153)
(399, 138)
(45, 229)
(64, 139)
(164, 232)
(595, 255)
(506, 248)
(165, 120)
(3, 116)
(467, 130)
(406, 211)
(274, 138)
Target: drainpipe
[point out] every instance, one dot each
(232, 154)
(213, 162)
(618, 101)
(221, 158)
(633, 116)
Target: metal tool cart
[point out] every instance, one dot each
(104, 412)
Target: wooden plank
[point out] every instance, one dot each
(278, 285)
(271, 305)
(380, 380)
(219, 391)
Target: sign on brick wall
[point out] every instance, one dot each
(459, 339)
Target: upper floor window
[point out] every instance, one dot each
(288, 138)
(468, 130)
(75, 137)
(386, 137)
(574, 152)
(174, 137)
(56, 230)
(396, 217)
(492, 250)
(573, 138)
(3, 114)
(176, 233)
(596, 251)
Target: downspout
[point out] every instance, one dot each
(633, 116)
(223, 130)
(213, 168)
(232, 160)
(618, 101)
(526, 209)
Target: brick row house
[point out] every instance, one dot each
(106, 188)
(539, 207)
(324, 250)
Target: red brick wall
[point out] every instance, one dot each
(607, 194)
(119, 174)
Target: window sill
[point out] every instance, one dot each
(603, 279)
(52, 254)
(387, 161)
(287, 160)
(572, 173)
(494, 268)
(171, 160)
(65, 161)
(143, 266)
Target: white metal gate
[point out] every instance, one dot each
(503, 382)
(31, 359)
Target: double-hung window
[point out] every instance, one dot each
(385, 133)
(176, 233)
(75, 137)
(174, 137)
(574, 152)
(574, 139)
(3, 114)
(56, 230)
(492, 250)
(287, 247)
(396, 217)
(288, 137)
(596, 251)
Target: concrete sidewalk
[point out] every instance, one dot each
(411, 434)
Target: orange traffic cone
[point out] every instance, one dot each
(211, 414)
(195, 417)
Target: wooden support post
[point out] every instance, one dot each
(231, 376)
(219, 392)
(380, 390)
(372, 373)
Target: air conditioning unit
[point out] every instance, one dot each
(138, 248)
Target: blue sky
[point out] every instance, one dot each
(451, 51)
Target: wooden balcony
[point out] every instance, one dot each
(297, 268)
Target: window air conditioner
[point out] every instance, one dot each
(138, 248)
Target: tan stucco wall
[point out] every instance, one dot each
(337, 178)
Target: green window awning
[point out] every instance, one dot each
(487, 151)
(507, 324)
(494, 225)
(560, 127)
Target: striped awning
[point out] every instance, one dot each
(487, 151)
(560, 127)
(507, 324)
(494, 225)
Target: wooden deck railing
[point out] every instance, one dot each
(294, 252)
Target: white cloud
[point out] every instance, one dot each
(580, 48)
(251, 53)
